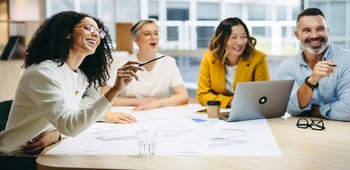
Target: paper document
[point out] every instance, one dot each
(180, 132)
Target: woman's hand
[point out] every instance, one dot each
(148, 106)
(38, 144)
(125, 74)
(119, 117)
(145, 100)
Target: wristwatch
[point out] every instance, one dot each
(310, 85)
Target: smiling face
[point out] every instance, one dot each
(312, 34)
(85, 39)
(147, 38)
(237, 41)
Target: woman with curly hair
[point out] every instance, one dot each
(231, 58)
(68, 57)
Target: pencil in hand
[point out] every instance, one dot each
(150, 61)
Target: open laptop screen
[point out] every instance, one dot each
(260, 99)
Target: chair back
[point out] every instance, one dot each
(5, 107)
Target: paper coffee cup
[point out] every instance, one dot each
(213, 108)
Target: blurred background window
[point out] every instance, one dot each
(186, 26)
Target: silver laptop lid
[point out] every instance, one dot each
(260, 99)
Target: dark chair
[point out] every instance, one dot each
(13, 162)
(5, 107)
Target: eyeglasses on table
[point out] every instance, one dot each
(314, 124)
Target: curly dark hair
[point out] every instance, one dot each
(218, 42)
(50, 43)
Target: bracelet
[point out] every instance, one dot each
(309, 84)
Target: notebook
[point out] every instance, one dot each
(260, 99)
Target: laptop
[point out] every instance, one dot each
(260, 99)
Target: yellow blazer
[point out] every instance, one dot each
(211, 81)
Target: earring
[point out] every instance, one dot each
(68, 37)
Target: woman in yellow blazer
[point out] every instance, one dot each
(231, 58)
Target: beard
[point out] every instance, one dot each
(315, 50)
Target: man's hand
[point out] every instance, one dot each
(321, 69)
(316, 112)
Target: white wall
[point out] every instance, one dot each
(24, 10)
(25, 17)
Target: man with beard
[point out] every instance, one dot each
(321, 71)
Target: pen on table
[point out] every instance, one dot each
(100, 121)
(147, 62)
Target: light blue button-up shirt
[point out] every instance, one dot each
(333, 92)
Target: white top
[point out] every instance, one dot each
(155, 83)
(230, 77)
(48, 97)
